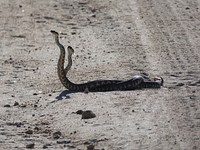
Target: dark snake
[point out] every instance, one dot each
(137, 82)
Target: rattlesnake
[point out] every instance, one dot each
(137, 82)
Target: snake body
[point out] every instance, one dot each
(137, 82)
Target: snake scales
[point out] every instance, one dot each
(137, 82)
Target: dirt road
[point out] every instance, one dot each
(112, 40)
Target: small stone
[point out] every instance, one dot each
(7, 105)
(93, 10)
(16, 104)
(73, 33)
(36, 128)
(90, 147)
(71, 146)
(46, 146)
(180, 84)
(88, 114)
(57, 135)
(23, 105)
(93, 15)
(29, 132)
(18, 124)
(63, 142)
(31, 145)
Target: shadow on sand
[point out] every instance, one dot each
(63, 95)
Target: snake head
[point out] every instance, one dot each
(70, 50)
(54, 32)
(159, 80)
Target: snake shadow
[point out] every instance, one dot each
(63, 95)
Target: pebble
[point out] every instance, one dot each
(57, 135)
(7, 105)
(29, 132)
(16, 104)
(23, 105)
(63, 141)
(36, 128)
(180, 84)
(31, 145)
(90, 147)
(88, 114)
(46, 146)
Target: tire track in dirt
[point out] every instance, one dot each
(176, 45)
(123, 38)
(179, 46)
(155, 111)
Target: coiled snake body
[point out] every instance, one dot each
(137, 82)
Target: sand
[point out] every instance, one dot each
(112, 40)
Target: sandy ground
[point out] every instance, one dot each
(112, 39)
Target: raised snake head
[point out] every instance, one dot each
(70, 50)
(54, 33)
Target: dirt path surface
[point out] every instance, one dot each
(112, 40)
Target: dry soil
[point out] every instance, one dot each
(113, 39)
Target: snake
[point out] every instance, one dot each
(137, 82)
